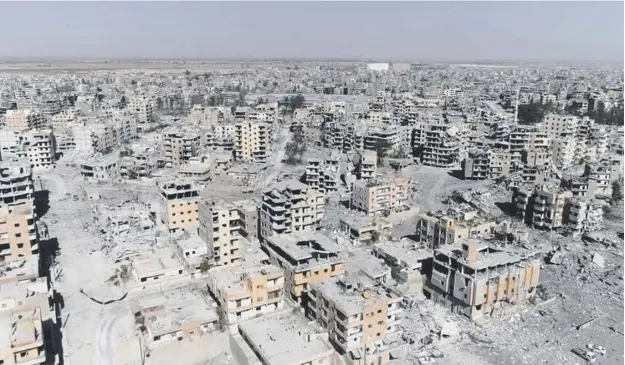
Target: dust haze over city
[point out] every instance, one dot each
(299, 183)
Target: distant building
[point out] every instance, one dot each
(23, 119)
(252, 141)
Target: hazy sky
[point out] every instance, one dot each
(446, 31)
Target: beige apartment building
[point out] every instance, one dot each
(378, 195)
(437, 228)
(358, 312)
(252, 141)
(244, 292)
(220, 226)
(24, 341)
(180, 147)
(290, 206)
(306, 258)
(179, 204)
(24, 119)
(472, 278)
(18, 233)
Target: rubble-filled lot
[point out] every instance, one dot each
(584, 304)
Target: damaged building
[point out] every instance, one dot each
(476, 279)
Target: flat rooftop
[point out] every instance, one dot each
(170, 310)
(404, 251)
(361, 221)
(160, 260)
(282, 339)
(301, 245)
(230, 278)
(288, 184)
(191, 242)
(487, 256)
(366, 263)
(17, 270)
(345, 293)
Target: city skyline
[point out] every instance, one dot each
(417, 31)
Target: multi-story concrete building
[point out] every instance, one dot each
(365, 229)
(543, 207)
(528, 138)
(142, 108)
(306, 258)
(65, 119)
(16, 184)
(220, 226)
(472, 277)
(245, 291)
(560, 126)
(179, 204)
(323, 175)
(367, 164)
(358, 312)
(42, 149)
(584, 214)
(290, 206)
(437, 144)
(180, 147)
(101, 168)
(491, 164)
(436, 229)
(599, 179)
(24, 119)
(90, 138)
(252, 141)
(18, 233)
(379, 195)
(564, 151)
